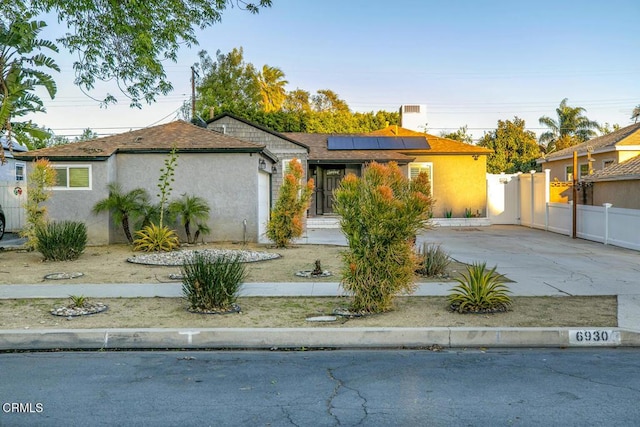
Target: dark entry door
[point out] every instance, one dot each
(332, 178)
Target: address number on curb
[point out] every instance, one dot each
(594, 337)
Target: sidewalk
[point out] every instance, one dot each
(540, 263)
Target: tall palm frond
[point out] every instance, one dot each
(570, 126)
(272, 88)
(21, 74)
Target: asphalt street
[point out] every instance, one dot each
(575, 387)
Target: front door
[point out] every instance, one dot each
(332, 178)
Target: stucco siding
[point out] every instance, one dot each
(77, 205)
(228, 182)
(459, 183)
(621, 194)
(283, 149)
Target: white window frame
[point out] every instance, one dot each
(285, 165)
(422, 165)
(67, 167)
(608, 162)
(569, 175)
(23, 177)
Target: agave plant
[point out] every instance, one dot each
(480, 291)
(154, 238)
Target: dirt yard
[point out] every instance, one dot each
(107, 264)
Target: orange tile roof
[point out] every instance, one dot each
(438, 145)
(184, 136)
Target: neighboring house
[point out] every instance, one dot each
(12, 170)
(457, 170)
(232, 175)
(13, 185)
(617, 184)
(604, 151)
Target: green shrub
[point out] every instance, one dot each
(61, 241)
(293, 201)
(381, 215)
(154, 238)
(211, 283)
(480, 291)
(433, 260)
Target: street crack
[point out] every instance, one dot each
(339, 385)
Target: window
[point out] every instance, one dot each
(20, 168)
(607, 163)
(584, 171)
(73, 177)
(416, 168)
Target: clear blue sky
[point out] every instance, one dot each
(470, 62)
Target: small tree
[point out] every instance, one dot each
(123, 205)
(381, 214)
(293, 201)
(191, 209)
(41, 179)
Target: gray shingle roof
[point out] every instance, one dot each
(629, 135)
(629, 169)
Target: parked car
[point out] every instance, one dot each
(2, 222)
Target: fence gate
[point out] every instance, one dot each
(503, 199)
(12, 198)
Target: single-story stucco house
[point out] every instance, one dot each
(232, 175)
(457, 170)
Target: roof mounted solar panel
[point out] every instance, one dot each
(377, 143)
(415, 142)
(365, 143)
(340, 143)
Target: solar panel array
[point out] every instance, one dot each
(377, 143)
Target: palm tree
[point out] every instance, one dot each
(635, 114)
(21, 64)
(272, 90)
(571, 127)
(122, 205)
(190, 209)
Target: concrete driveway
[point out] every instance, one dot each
(544, 263)
(539, 262)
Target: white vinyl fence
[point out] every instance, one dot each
(530, 202)
(12, 198)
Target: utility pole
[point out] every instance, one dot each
(575, 194)
(193, 92)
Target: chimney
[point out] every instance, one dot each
(414, 117)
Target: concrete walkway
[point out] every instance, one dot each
(540, 264)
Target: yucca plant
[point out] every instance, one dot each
(61, 241)
(78, 301)
(480, 291)
(211, 283)
(433, 260)
(154, 238)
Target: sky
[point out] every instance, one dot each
(470, 62)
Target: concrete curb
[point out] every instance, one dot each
(296, 338)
